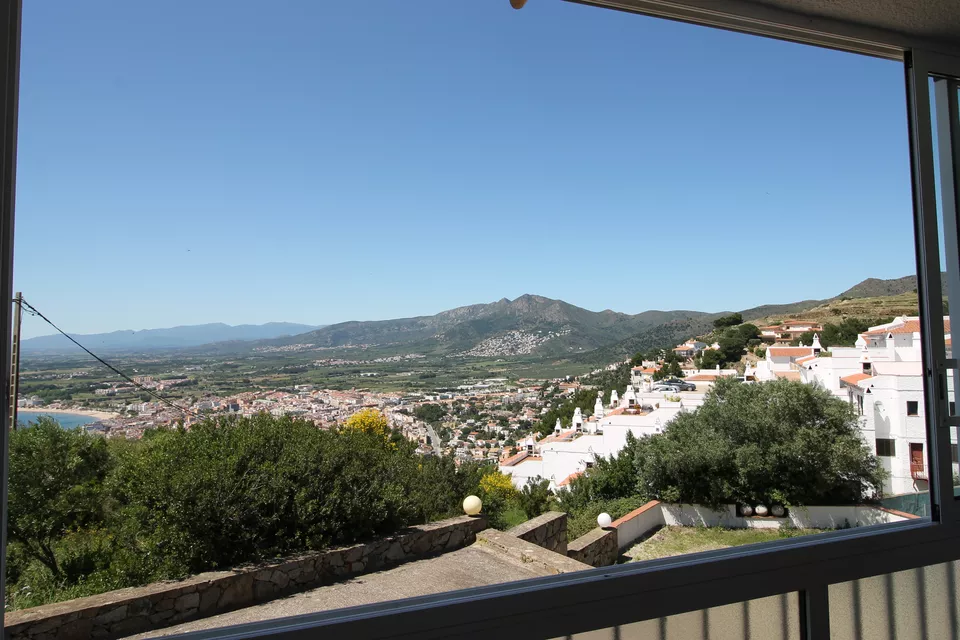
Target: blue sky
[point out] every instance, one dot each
(317, 162)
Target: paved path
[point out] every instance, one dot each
(468, 567)
(434, 438)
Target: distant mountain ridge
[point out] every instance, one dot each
(557, 328)
(530, 325)
(873, 287)
(172, 337)
(676, 331)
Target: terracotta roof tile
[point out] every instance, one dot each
(855, 378)
(570, 478)
(563, 435)
(788, 375)
(514, 459)
(781, 352)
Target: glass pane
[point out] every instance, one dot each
(774, 618)
(920, 603)
(516, 276)
(945, 171)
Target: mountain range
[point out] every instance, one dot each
(173, 337)
(530, 326)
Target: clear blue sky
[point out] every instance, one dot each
(237, 161)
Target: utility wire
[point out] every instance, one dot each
(32, 310)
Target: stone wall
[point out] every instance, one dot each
(548, 531)
(127, 611)
(597, 548)
(528, 553)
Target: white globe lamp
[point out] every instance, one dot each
(760, 510)
(604, 520)
(472, 505)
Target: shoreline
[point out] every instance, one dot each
(91, 413)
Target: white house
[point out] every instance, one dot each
(881, 377)
(570, 451)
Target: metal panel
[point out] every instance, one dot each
(10, 78)
(815, 613)
(920, 67)
(756, 19)
(588, 600)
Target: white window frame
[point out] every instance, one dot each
(609, 596)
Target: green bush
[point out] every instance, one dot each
(227, 491)
(584, 520)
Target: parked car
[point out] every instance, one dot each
(669, 388)
(680, 384)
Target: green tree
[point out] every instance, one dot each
(432, 413)
(728, 320)
(535, 497)
(775, 442)
(55, 486)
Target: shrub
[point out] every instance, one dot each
(228, 490)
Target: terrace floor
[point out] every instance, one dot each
(472, 566)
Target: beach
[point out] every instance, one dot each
(98, 415)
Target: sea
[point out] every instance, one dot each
(66, 420)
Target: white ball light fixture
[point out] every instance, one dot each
(472, 505)
(604, 520)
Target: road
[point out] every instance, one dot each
(434, 438)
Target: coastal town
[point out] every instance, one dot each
(496, 419)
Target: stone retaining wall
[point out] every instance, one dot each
(127, 611)
(548, 531)
(597, 548)
(528, 552)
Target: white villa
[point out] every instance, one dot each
(571, 450)
(882, 379)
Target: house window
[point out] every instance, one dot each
(860, 405)
(886, 448)
(953, 408)
(953, 453)
(913, 408)
(867, 368)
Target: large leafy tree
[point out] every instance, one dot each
(776, 442)
(55, 486)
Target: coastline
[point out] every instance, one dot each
(92, 413)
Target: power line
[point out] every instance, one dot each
(32, 310)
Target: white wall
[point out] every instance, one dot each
(691, 515)
(632, 529)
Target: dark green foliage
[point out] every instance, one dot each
(584, 520)
(733, 342)
(781, 442)
(670, 368)
(55, 486)
(844, 334)
(228, 491)
(728, 321)
(776, 442)
(432, 413)
(535, 497)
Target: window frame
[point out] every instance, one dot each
(916, 409)
(891, 442)
(605, 597)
